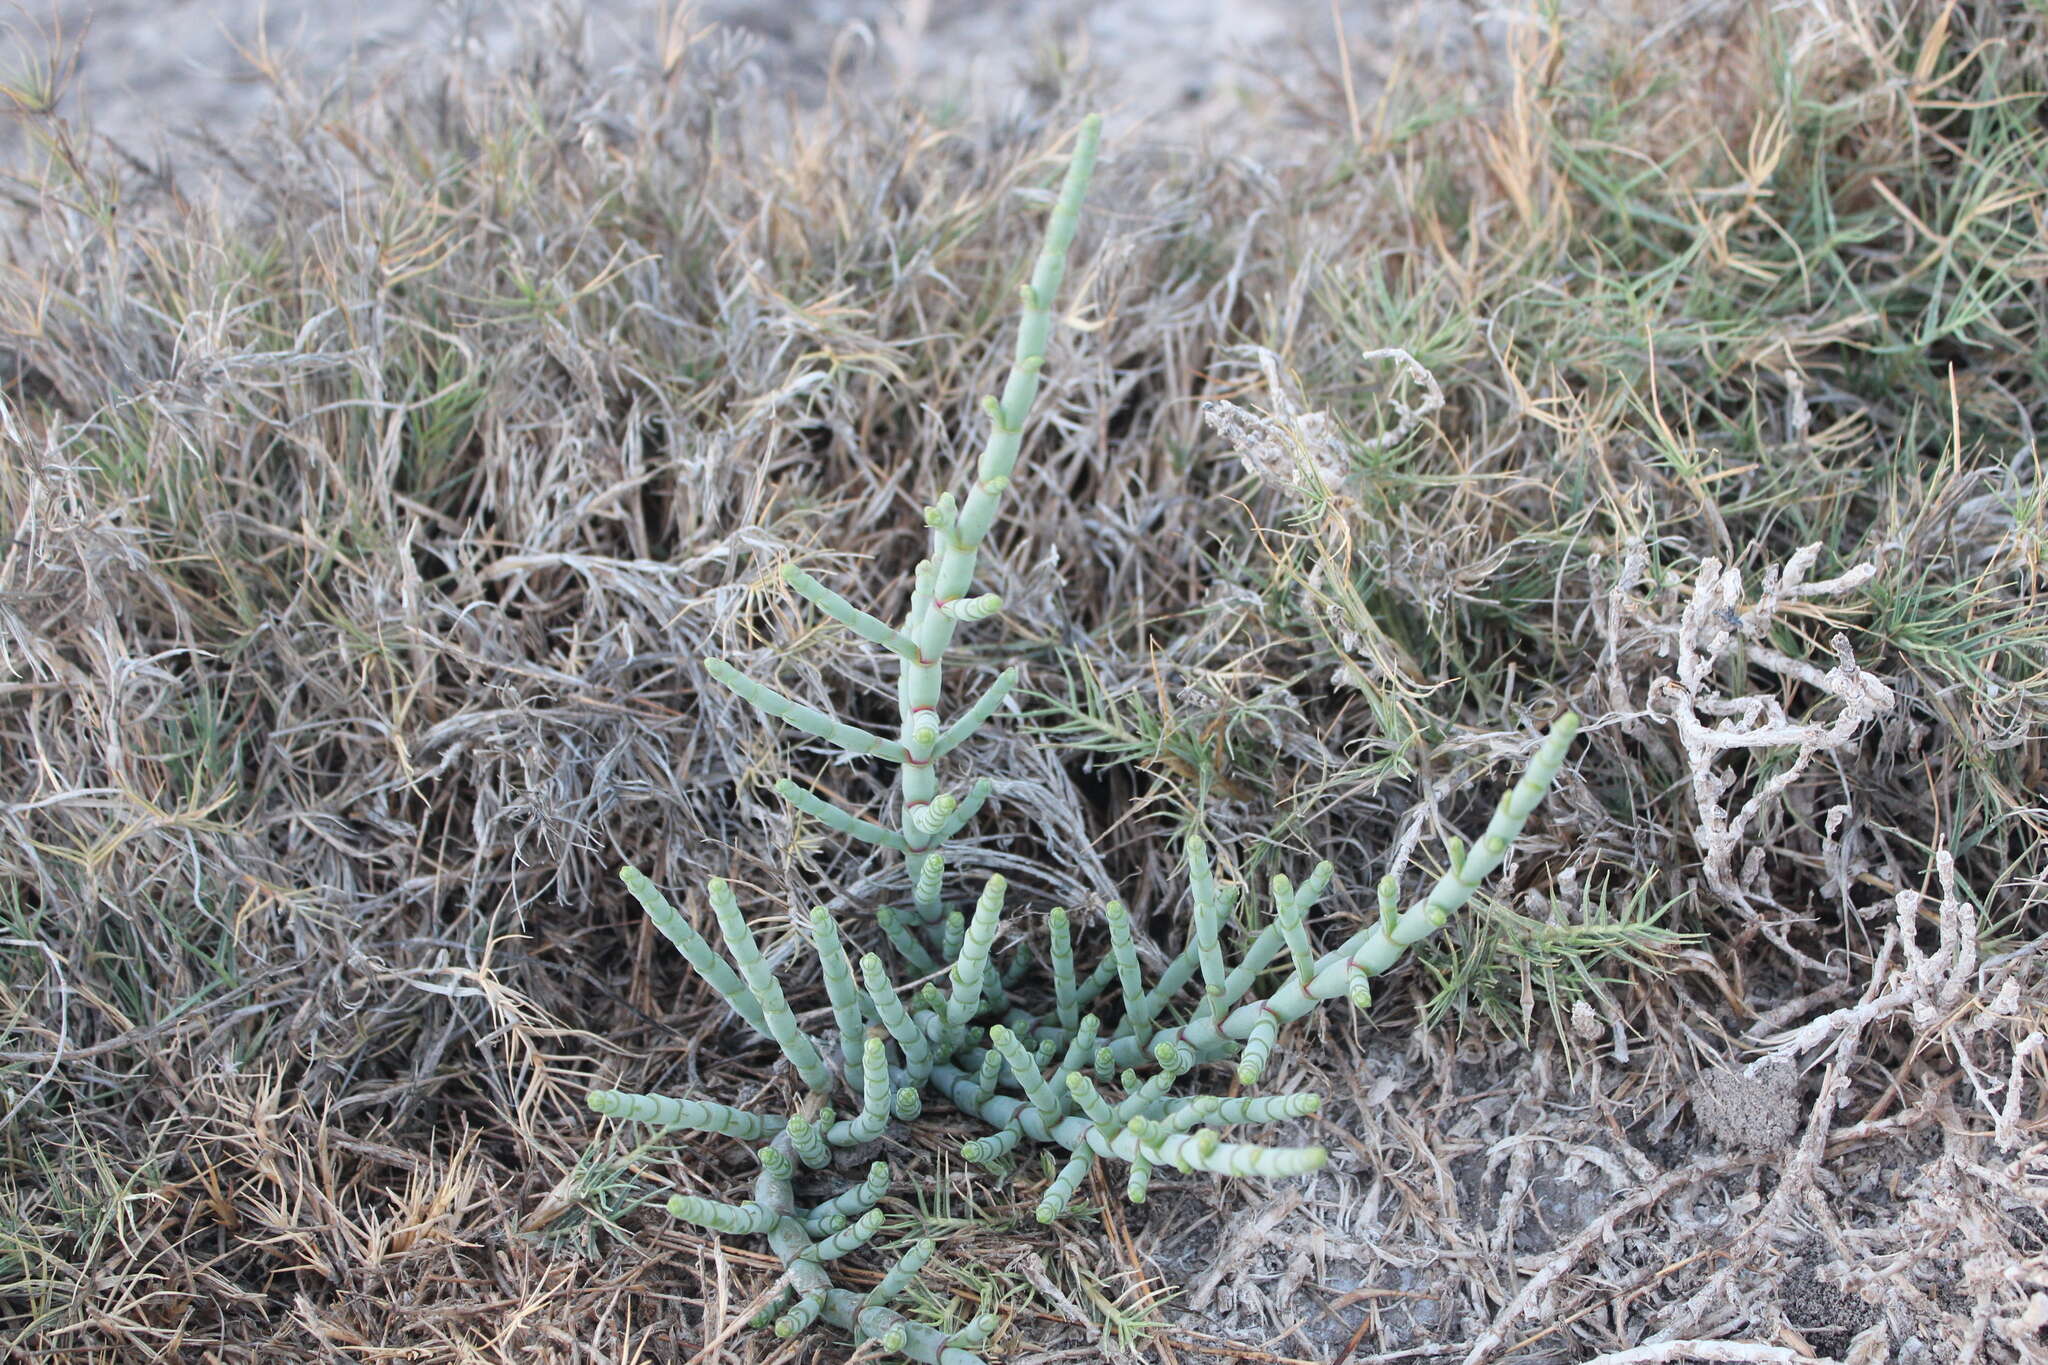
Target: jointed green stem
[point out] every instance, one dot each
(971, 719)
(968, 970)
(865, 830)
(775, 1012)
(1124, 953)
(917, 1054)
(1068, 1007)
(704, 1116)
(853, 618)
(1287, 914)
(702, 957)
(840, 987)
(873, 1118)
(809, 719)
(1208, 926)
(734, 1220)
(904, 940)
(853, 1202)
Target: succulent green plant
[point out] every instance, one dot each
(1088, 1068)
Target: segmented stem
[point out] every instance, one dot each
(1061, 1192)
(972, 962)
(702, 957)
(775, 1012)
(875, 1099)
(1124, 953)
(733, 1220)
(805, 717)
(1045, 1102)
(917, 1050)
(840, 987)
(1293, 932)
(852, 1202)
(705, 1116)
(853, 618)
(1208, 928)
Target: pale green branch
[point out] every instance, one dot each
(869, 628)
(806, 718)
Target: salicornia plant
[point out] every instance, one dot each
(1089, 1067)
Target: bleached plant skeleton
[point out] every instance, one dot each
(1036, 1075)
(1711, 726)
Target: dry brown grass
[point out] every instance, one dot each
(367, 521)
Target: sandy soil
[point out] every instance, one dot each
(150, 76)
